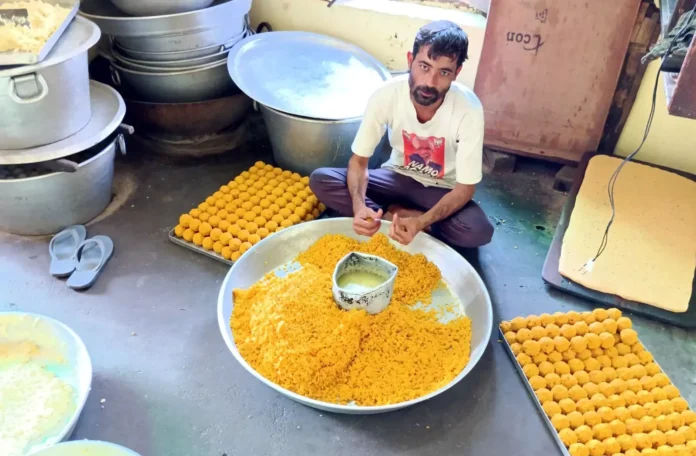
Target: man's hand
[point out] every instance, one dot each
(366, 222)
(404, 230)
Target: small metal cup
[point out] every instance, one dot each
(374, 300)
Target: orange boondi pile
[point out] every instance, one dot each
(291, 331)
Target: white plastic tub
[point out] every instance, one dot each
(86, 448)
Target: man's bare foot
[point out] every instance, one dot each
(403, 212)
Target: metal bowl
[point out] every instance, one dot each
(186, 41)
(174, 65)
(86, 448)
(178, 55)
(160, 7)
(190, 86)
(188, 119)
(76, 369)
(282, 248)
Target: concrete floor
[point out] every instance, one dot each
(171, 387)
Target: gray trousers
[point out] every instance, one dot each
(467, 228)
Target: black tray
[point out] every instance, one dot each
(551, 275)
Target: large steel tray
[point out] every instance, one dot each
(197, 249)
(537, 403)
(28, 58)
(278, 252)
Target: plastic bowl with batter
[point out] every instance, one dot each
(76, 370)
(86, 448)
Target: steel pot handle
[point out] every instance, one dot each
(126, 129)
(37, 83)
(264, 25)
(115, 76)
(121, 144)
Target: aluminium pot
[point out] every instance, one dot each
(302, 144)
(47, 204)
(48, 102)
(160, 7)
(199, 84)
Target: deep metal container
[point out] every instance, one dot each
(303, 145)
(188, 119)
(189, 86)
(47, 204)
(37, 104)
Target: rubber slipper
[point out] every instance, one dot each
(62, 249)
(91, 257)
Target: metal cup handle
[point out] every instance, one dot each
(39, 86)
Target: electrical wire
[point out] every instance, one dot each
(614, 177)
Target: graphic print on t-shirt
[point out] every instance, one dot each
(424, 156)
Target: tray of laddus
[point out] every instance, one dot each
(598, 388)
(257, 203)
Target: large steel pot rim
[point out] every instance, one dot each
(139, 8)
(114, 22)
(127, 17)
(308, 119)
(118, 142)
(55, 59)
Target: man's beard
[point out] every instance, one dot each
(424, 95)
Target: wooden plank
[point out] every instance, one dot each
(548, 72)
(645, 33)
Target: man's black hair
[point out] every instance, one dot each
(446, 39)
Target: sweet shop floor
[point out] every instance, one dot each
(166, 385)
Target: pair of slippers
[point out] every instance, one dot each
(78, 258)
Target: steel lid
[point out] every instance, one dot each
(108, 111)
(79, 37)
(306, 74)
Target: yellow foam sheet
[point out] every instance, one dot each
(651, 254)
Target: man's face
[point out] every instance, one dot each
(429, 80)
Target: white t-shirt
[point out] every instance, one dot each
(447, 149)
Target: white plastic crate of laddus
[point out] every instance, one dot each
(598, 387)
